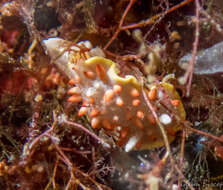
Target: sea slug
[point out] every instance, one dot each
(116, 103)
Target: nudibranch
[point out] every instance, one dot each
(116, 103)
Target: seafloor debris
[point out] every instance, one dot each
(116, 103)
(208, 61)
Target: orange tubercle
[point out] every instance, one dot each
(107, 124)
(117, 89)
(134, 92)
(135, 102)
(119, 102)
(109, 94)
(74, 99)
(124, 133)
(74, 90)
(82, 111)
(94, 112)
(151, 119)
(139, 124)
(89, 74)
(152, 95)
(91, 100)
(95, 122)
(175, 102)
(140, 114)
(101, 72)
(71, 82)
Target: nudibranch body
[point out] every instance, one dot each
(117, 103)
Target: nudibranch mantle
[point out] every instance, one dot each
(117, 103)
